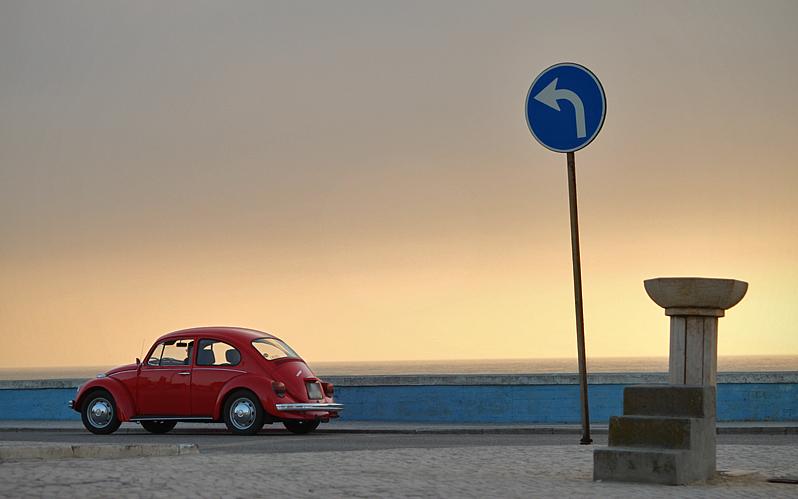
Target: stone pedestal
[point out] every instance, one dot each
(667, 432)
(694, 305)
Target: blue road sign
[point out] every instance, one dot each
(565, 107)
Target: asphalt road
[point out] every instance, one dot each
(280, 441)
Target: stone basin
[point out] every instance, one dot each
(695, 292)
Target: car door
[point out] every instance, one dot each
(164, 383)
(217, 363)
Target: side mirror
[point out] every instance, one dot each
(138, 362)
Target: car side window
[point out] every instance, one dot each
(172, 353)
(217, 353)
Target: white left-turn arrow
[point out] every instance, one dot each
(550, 95)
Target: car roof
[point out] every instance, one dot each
(240, 334)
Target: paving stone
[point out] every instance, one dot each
(507, 472)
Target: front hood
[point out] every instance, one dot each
(117, 370)
(293, 375)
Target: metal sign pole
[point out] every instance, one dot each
(553, 127)
(580, 319)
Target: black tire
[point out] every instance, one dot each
(301, 426)
(158, 427)
(243, 413)
(99, 413)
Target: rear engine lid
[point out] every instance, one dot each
(299, 380)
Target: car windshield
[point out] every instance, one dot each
(272, 348)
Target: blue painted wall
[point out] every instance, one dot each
(758, 402)
(532, 404)
(543, 403)
(468, 403)
(37, 404)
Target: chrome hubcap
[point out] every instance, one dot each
(100, 413)
(242, 413)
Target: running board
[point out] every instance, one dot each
(201, 419)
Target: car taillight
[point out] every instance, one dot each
(328, 389)
(279, 388)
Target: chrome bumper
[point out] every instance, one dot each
(310, 407)
(71, 404)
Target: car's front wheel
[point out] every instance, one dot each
(158, 427)
(301, 426)
(99, 413)
(243, 413)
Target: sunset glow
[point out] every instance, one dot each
(358, 179)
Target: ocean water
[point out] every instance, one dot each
(747, 363)
(548, 366)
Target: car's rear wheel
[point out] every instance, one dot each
(243, 413)
(158, 427)
(301, 426)
(99, 413)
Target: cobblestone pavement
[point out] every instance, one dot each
(474, 472)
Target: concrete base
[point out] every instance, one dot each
(666, 435)
(667, 467)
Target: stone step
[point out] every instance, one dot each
(669, 400)
(668, 467)
(652, 432)
(666, 435)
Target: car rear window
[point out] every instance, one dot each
(272, 348)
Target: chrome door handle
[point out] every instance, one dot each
(184, 374)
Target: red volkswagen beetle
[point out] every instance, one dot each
(243, 377)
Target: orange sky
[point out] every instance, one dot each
(358, 178)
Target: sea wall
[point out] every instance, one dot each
(543, 398)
